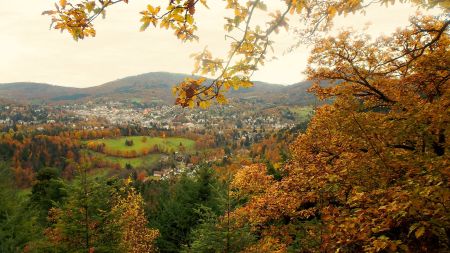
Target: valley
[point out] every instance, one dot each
(149, 137)
(56, 142)
(352, 156)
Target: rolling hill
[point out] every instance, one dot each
(154, 87)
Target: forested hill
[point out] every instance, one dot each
(150, 87)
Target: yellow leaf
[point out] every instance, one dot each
(150, 8)
(247, 84)
(178, 18)
(189, 19)
(204, 104)
(156, 10)
(164, 24)
(221, 99)
(419, 232)
(90, 6)
(332, 11)
(144, 26)
(63, 3)
(200, 80)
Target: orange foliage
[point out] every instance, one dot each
(136, 237)
(372, 169)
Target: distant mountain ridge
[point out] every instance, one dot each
(154, 87)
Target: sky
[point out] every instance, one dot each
(29, 51)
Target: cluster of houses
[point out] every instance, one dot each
(162, 117)
(175, 118)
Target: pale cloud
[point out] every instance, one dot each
(29, 51)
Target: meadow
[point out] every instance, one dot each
(146, 160)
(140, 143)
(302, 113)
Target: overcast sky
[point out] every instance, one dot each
(29, 51)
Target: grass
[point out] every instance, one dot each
(116, 144)
(138, 143)
(147, 160)
(302, 113)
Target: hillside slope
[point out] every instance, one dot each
(154, 87)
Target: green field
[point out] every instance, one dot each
(116, 144)
(147, 160)
(302, 113)
(138, 143)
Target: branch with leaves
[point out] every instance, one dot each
(246, 53)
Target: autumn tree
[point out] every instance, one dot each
(372, 168)
(100, 215)
(128, 213)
